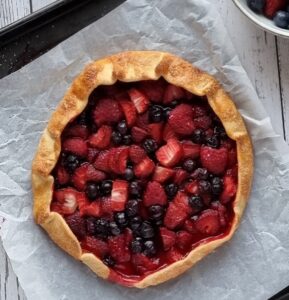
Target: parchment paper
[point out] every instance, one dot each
(253, 265)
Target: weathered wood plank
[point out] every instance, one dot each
(13, 10)
(37, 4)
(283, 63)
(9, 285)
(257, 52)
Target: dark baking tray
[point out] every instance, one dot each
(30, 37)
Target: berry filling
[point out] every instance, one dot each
(146, 174)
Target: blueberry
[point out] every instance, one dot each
(217, 185)
(155, 113)
(120, 219)
(101, 228)
(200, 173)
(287, 8)
(71, 162)
(281, 19)
(256, 5)
(114, 229)
(198, 136)
(122, 127)
(189, 165)
(135, 223)
(135, 189)
(106, 187)
(116, 138)
(90, 225)
(127, 139)
(204, 186)
(109, 261)
(167, 111)
(196, 203)
(128, 174)
(156, 212)
(220, 131)
(171, 190)
(146, 230)
(150, 145)
(92, 190)
(149, 248)
(213, 141)
(131, 208)
(137, 245)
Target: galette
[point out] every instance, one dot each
(144, 168)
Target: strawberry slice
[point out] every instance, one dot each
(154, 194)
(222, 210)
(175, 216)
(181, 200)
(215, 160)
(101, 161)
(101, 139)
(184, 240)
(144, 168)
(155, 131)
(181, 119)
(168, 133)
(138, 134)
(80, 131)
(136, 154)
(168, 238)
(162, 174)
(62, 175)
(143, 264)
(172, 93)
(96, 246)
(65, 201)
(118, 248)
(93, 209)
(170, 154)
(173, 255)
(92, 154)
(180, 176)
(119, 195)
(77, 224)
(86, 172)
(129, 111)
(76, 146)
(139, 99)
(272, 6)
(191, 150)
(203, 122)
(208, 222)
(229, 189)
(118, 159)
(154, 89)
(107, 111)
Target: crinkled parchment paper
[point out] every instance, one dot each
(253, 265)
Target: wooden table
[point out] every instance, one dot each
(264, 57)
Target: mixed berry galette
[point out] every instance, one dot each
(144, 168)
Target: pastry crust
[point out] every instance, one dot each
(130, 67)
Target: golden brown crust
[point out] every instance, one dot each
(135, 66)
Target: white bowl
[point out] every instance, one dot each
(260, 20)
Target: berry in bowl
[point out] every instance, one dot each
(271, 15)
(144, 168)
